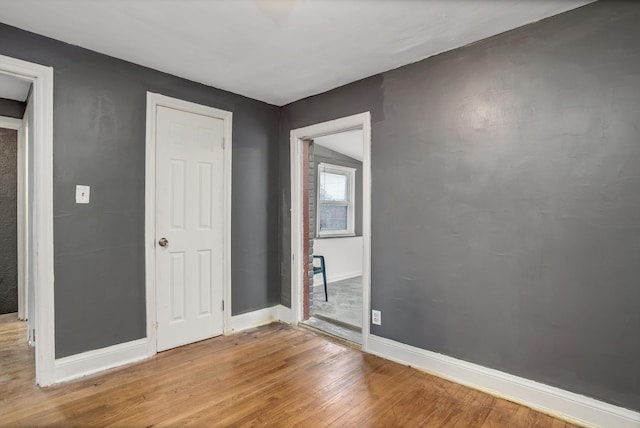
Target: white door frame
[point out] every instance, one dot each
(153, 101)
(23, 254)
(357, 121)
(41, 255)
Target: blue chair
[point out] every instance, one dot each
(322, 269)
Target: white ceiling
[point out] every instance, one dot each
(276, 51)
(349, 143)
(13, 88)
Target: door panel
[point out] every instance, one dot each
(190, 215)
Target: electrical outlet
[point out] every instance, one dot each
(376, 317)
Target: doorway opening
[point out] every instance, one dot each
(26, 90)
(13, 292)
(13, 298)
(333, 182)
(330, 224)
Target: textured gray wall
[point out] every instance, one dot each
(99, 140)
(506, 200)
(12, 108)
(8, 221)
(324, 155)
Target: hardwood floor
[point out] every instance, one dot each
(275, 375)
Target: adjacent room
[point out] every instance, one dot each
(14, 93)
(320, 213)
(16, 113)
(334, 222)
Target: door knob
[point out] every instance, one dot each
(163, 242)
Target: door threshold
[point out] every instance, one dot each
(339, 323)
(349, 337)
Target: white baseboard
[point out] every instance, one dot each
(86, 363)
(567, 405)
(285, 314)
(257, 318)
(90, 362)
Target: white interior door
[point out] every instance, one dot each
(189, 227)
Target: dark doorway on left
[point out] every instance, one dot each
(8, 221)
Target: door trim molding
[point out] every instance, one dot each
(41, 255)
(153, 101)
(356, 121)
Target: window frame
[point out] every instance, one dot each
(350, 173)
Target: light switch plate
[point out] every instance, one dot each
(82, 194)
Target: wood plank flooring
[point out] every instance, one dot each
(276, 375)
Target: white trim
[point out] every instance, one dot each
(252, 319)
(153, 101)
(285, 314)
(90, 362)
(86, 363)
(357, 121)
(19, 125)
(10, 123)
(554, 401)
(41, 255)
(23, 224)
(257, 318)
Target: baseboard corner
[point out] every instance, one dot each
(285, 314)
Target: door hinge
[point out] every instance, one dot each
(224, 143)
(33, 335)
(223, 305)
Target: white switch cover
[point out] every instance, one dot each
(82, 194)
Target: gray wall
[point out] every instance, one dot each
(8, 221)
(324, 155)
(12, 108)
(506, 200)
(99, 140)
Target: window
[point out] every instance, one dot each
(336, 200)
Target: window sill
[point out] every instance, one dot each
(336, 235)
